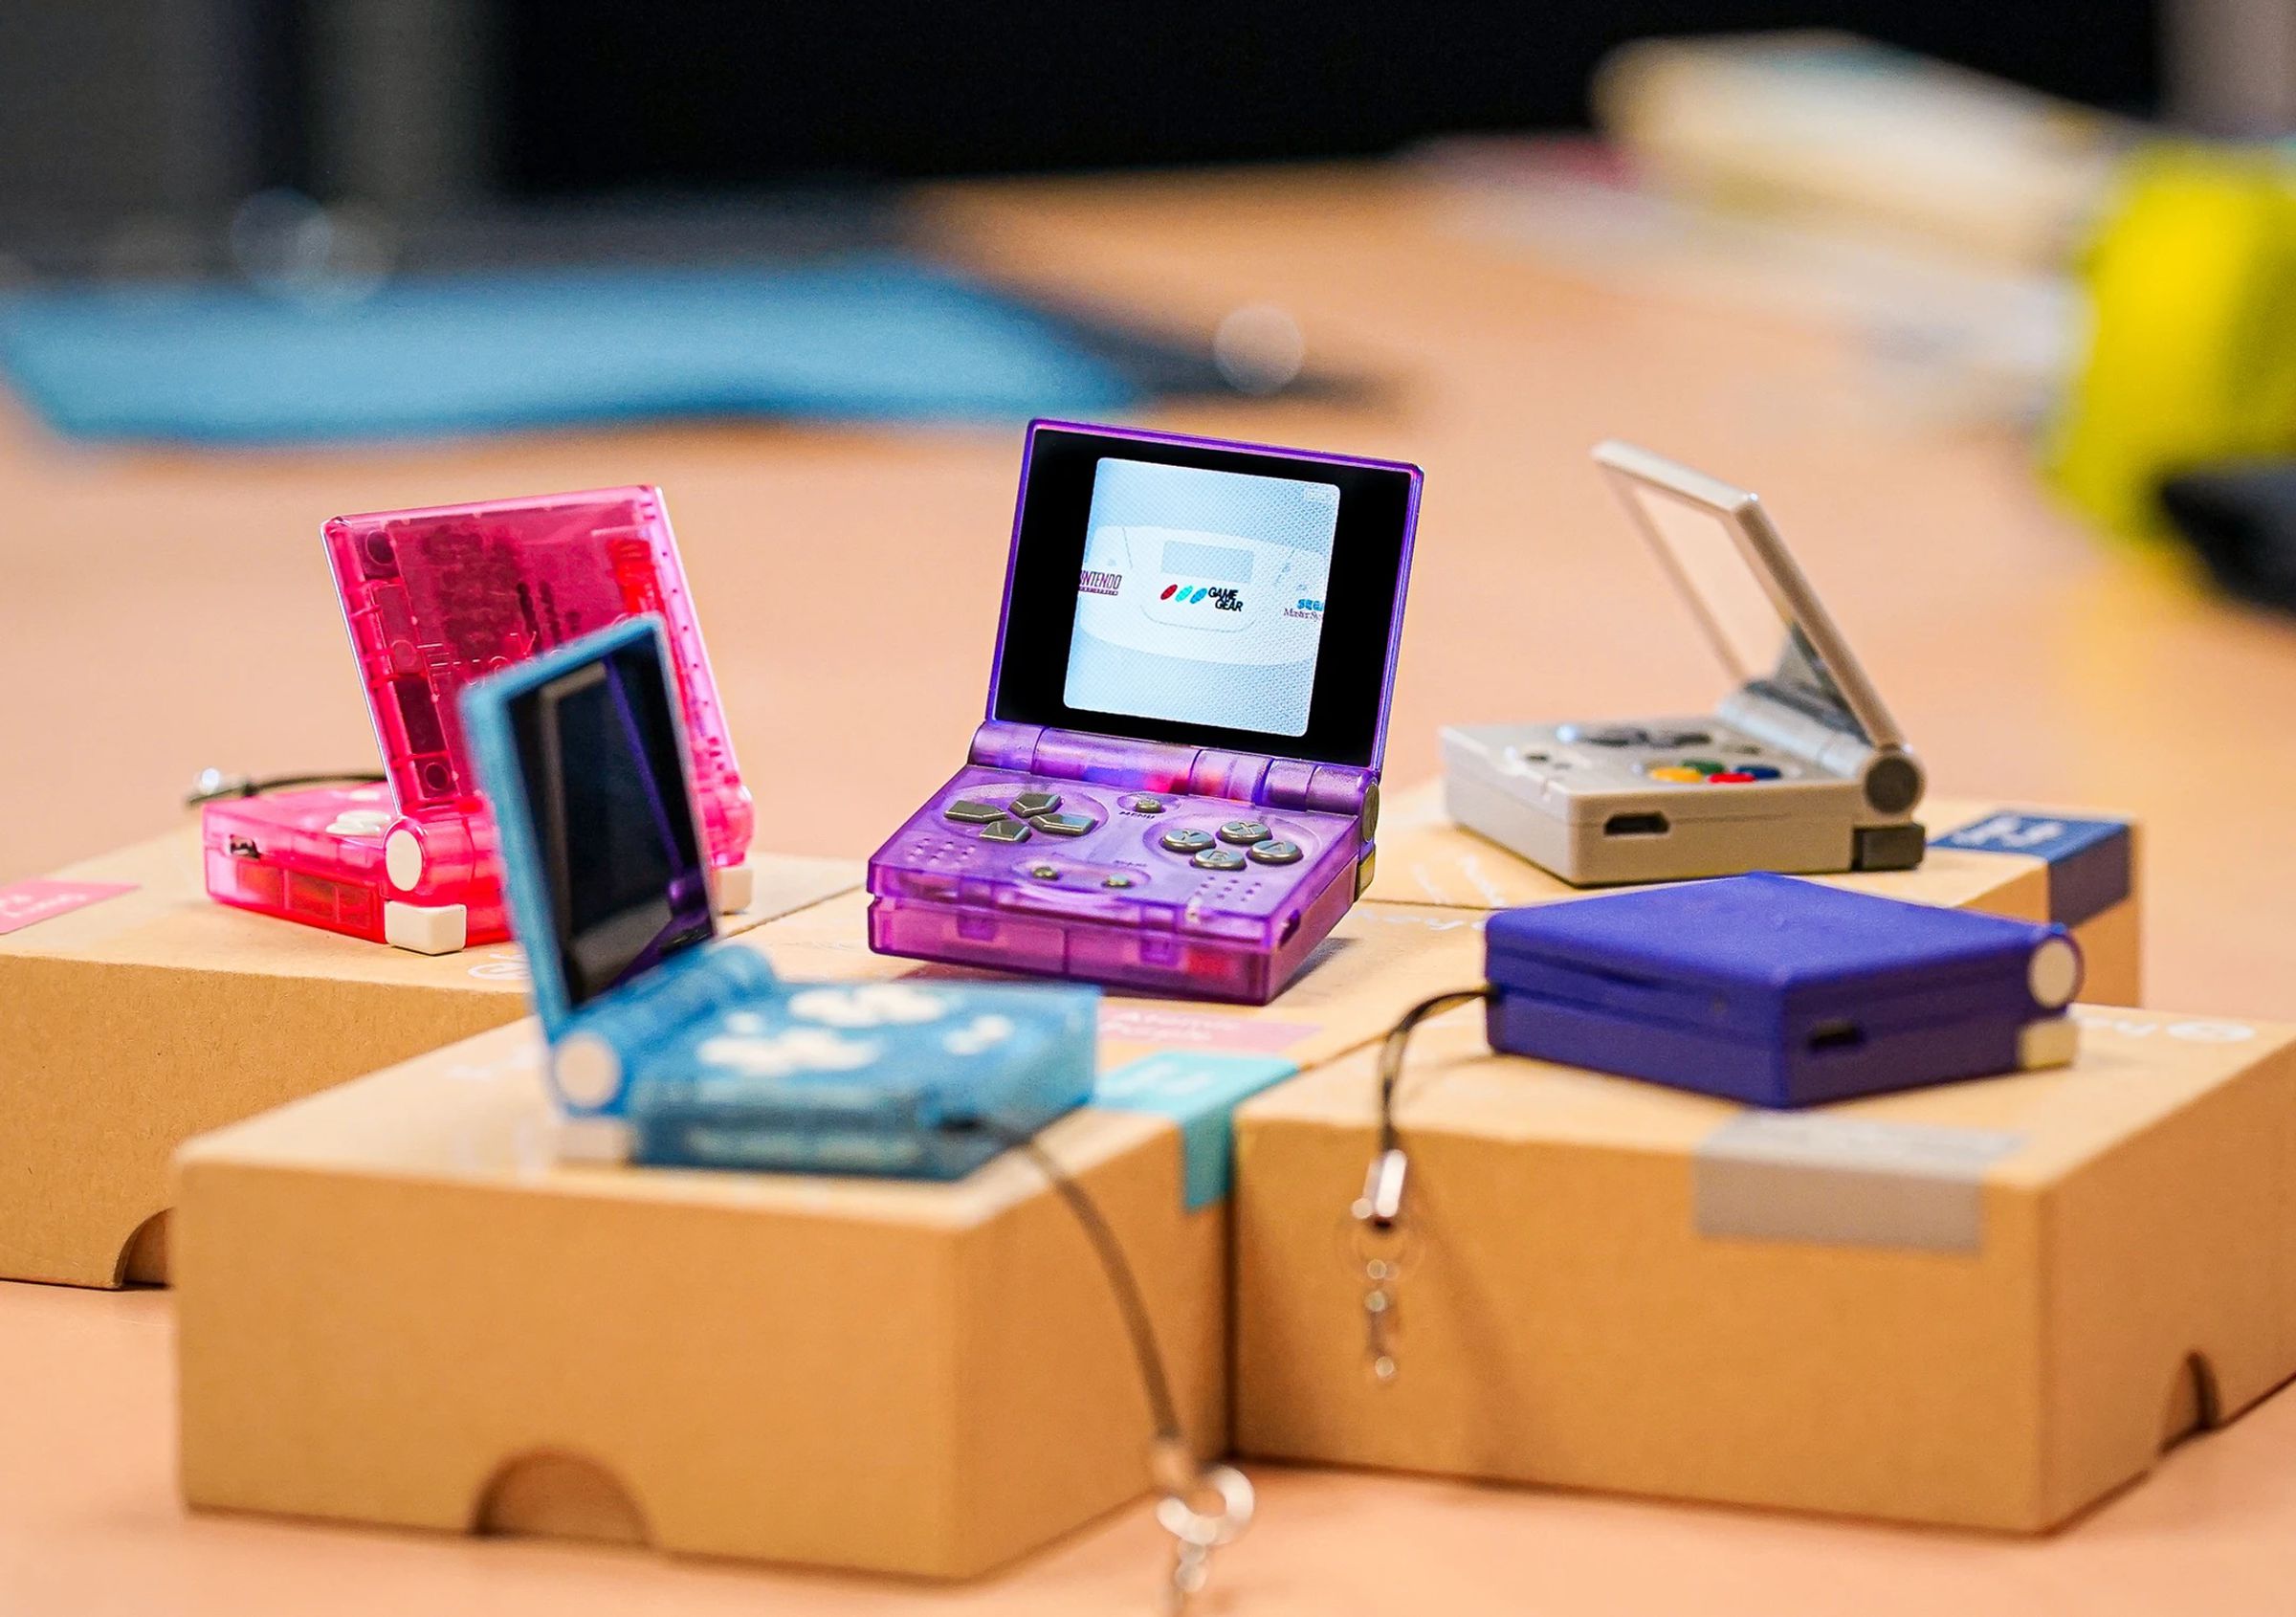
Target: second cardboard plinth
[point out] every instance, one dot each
(1985, 1304)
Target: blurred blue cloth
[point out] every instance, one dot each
(874, 337)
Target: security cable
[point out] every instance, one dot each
(1203, 1506)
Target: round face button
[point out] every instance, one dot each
(1140, 803)
(1761, 771)
(1186, 840)
(1245, 833)
(1732, 778)
(1217, 859)
(1275, 852)
(1705, 766)
(1674, 772)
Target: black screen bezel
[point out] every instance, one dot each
(1370, 550)
(682, 916)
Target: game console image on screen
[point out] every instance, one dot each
(1177, 783)
(1201, 598)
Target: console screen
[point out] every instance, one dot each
(1214, 595)
(1201, 598)
(613, 819)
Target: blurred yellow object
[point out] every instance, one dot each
(2190, 353)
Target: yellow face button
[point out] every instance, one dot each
(1676, 772)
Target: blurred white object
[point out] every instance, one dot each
(1259, 348)
(1839, 126)
(291, 246)
(1950, 338)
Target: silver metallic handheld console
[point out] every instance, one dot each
(1798, 769)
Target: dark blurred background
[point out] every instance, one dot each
(160, 111)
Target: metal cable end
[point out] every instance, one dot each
(1382, 1202)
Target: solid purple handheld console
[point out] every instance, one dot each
(1178, 781)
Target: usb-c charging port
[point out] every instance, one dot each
(1635, 825)
(1837, 1035)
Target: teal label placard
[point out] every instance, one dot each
(1200, 1091)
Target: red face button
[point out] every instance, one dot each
(1732, 778)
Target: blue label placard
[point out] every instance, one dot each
(1200, 1091)
(2090, 861)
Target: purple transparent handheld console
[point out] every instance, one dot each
(1178, 781)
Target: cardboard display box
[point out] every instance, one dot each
(895, 1377)
(139, 1012)
(1987, 1305)
(872, 1374)
(2029, 864)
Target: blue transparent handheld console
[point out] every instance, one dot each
(667, 1049)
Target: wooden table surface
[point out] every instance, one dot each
(161, 612)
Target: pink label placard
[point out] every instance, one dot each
(1140, 1024)
(27, 903)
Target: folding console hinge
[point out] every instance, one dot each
(1243, 776)
(1793, 730)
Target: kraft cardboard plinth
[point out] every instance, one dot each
(1984, 1304)
(141, 1012)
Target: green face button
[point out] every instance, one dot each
(1705, 766)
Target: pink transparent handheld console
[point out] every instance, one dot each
(435, 600)
(1177, 782)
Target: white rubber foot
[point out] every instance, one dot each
(591, 1139)
(426, 929)
(737, 885)
(2052, 1042)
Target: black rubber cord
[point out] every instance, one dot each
(211, 786)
